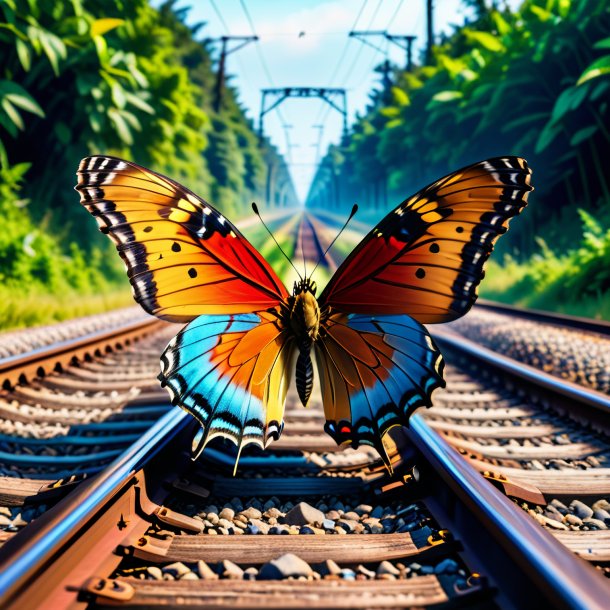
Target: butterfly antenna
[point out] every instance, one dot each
(352, 214)
(303, 253)
(255, 208)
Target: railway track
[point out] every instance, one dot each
(70, 403)
(309, 524)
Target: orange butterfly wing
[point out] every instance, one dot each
(426, 258)
(183, 257)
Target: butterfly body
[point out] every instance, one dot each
(232, 364)
(305, 324)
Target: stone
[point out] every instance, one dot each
(176, 569)
(580, 509)
(386, 577)
(594, 523)
(362, 509)
(273, 513)
(306, 530)
(250, 573)
(602, 504)
(351, 516)
(347, 574)
(376, 513)
(555, 524)
(227, 514)
(303, 514)
(365, 571)
(155, 572)
(213, 518)
(560, 506)
(18, 521)
(285, 566)
(251, 513)
(241, 518)
(253, 530)
(240, 524)
(333, 515)
(189, 576)
(348, 525)
(328, 567)
(211, 509)
(269, 505)
(226, 523)
(572, 520)
(205, 572)
(385, 567)
(5, 521)
(263, 527)
(602, 515)
(328, 524)
(231, 570)
(236, 504)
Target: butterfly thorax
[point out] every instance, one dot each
(305, 323)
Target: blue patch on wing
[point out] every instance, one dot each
(201, 382)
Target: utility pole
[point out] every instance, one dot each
(224, 51)
(430, 30)
(403, 41)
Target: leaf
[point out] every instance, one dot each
(118, 95)
(501, 24)
(583, 134)
(524, 120)
(447, 96)
(401, 97)
(602, 44)
(598, 68)
(12, 113)
(53, 48)
(139, 103)
(541, 13)
(121, 126)
(568, 100)
(101, 26)
(549, 133)
(23, 52)
(486, 40)
(18, 96)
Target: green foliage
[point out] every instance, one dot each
(105, 76)
(575, 281)
(533, 83)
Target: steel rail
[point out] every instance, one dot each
(562, 578)
(29, 364)
(23, 558)
(567, 389)
(546, 317)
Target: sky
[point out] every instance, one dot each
(305, 43)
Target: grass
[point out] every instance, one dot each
(20, 309)
(575, 282)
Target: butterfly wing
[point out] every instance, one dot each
(374, 372)
(183, 257)
(231, 372)
(426, 257)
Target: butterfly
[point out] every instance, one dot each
(231, 365)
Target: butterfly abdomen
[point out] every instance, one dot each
(304, 371)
